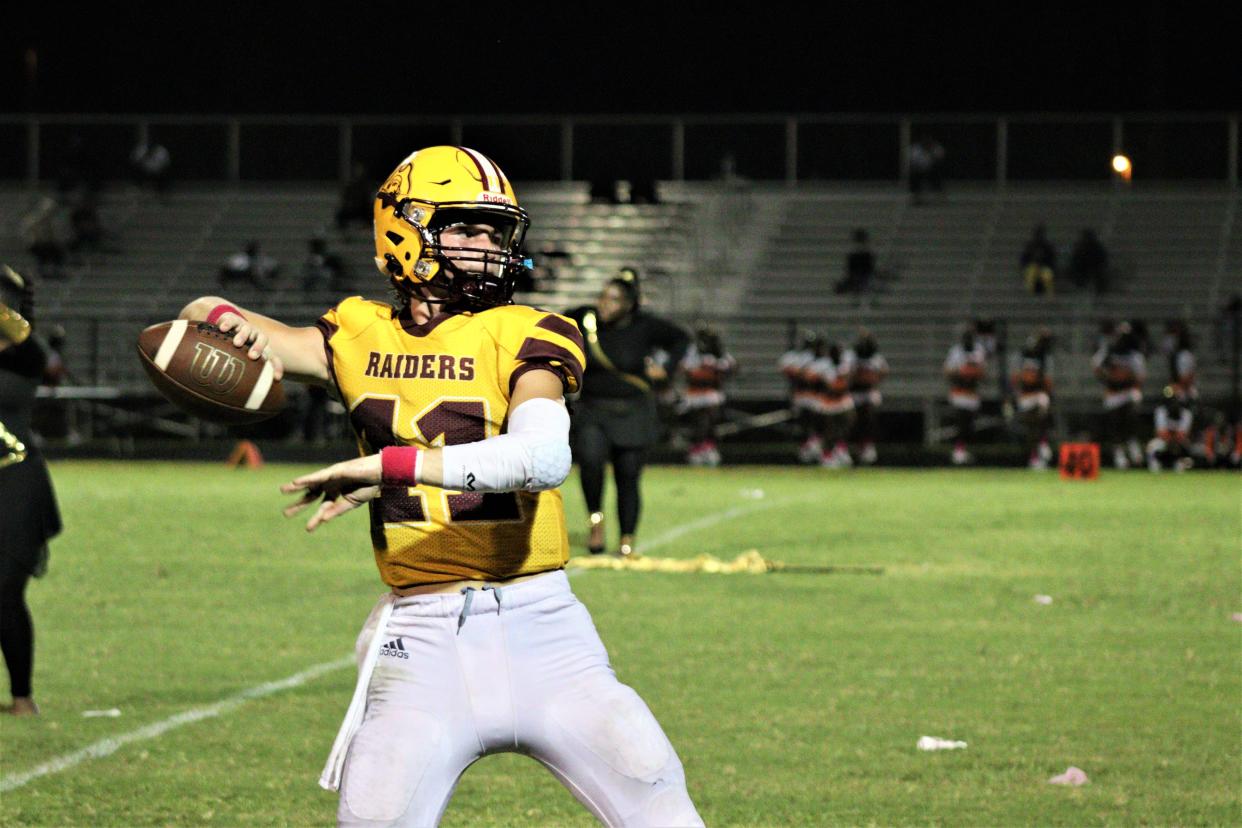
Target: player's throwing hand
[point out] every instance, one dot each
(344, 487)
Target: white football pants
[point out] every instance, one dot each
(515, 669)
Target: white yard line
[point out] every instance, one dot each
(708, 521)
(106, 747)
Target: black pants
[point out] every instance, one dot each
(965, 418)
(594, 451)
(702, 423)
(16, 629)
(1120, 426)
(865, 423)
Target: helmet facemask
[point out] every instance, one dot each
(478, 277)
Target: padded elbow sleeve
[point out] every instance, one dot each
(533, 455)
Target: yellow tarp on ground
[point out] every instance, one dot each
(749, 563)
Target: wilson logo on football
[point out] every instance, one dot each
(213, 367)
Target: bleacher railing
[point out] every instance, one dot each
(795, 148)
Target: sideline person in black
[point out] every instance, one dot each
(615, 419)
(28, 513)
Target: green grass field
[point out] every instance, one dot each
(792, 699)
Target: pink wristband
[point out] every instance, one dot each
(221, 310)
(402, 465)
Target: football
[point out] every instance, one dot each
(197, 367)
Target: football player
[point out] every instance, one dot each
(1171, 444)
(456, 398)
(964, 368)
(1121, 368)
(803, 397)
(833, 371)
(1032, 384)
(706, 366)
(870, 369)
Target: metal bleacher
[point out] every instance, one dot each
(171, 250)
(753, 259)
(1175, 252)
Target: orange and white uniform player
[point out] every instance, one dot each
(870, 369)
(1184, 368)
(705, 375)
(804, 398)
(705, 368)
(1171, 443)
(456, 396)
(964, 368)
(833, 372)
(1033, 389)
(1122, 371)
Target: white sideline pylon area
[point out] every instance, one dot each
(106, 747)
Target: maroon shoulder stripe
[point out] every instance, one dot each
(541, 353)
(565, 327)
(329, 329)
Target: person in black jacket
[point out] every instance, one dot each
(28, 514)
(615, 418)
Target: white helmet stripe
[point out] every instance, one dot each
(490, 173)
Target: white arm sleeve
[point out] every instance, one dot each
(533, 454)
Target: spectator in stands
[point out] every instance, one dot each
(859, 265)
(804, 402)
(728, 170)
(1121, 368)
(833, 371)
(80, 171)
(323, 268)
(1178, 347)
(1039, 261)
(151, 166)
(548, 261)
(603, 190)
(705, 367)
(870, 369)
(1088, 266)
(926, 159)
(250, 265)
(357, 197)
(1032, 388)
(1171, 445)
(964, 368)
(643, 189)
(41, 231)
(89, 235)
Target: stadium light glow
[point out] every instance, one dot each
(1121, 166)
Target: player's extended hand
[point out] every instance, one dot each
(244, 332)
(344, 487)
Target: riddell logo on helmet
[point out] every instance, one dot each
(495, 198)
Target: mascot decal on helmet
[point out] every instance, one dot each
(443, 187)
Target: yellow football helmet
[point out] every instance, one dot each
(442, 187)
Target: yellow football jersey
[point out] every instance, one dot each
(442, 383)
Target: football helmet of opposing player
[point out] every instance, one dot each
(437, 188)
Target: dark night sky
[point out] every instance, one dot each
(477, 58)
